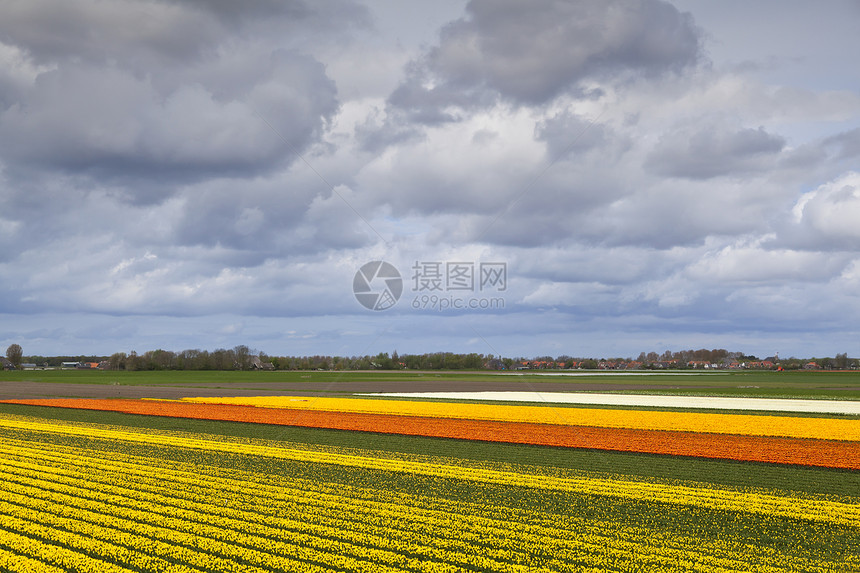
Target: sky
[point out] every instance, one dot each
(590, 178)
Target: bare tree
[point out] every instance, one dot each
(15, 354)
(243, 357)
(117, 361)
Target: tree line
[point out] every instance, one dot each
(244, 358)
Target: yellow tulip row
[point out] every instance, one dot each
(302, 492)
(67, 549)
(67, 502)
(122, 498)
(249, 536)
(640, 544)
(722, 499)
(158, 538)
(15, 558)
(742, 424)
(203, 488)
(600, 541)
(663, 557)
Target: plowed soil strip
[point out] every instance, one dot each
(808, 452)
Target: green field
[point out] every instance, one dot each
(797, 384)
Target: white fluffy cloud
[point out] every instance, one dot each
(832, 211)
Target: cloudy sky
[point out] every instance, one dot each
(652, 175)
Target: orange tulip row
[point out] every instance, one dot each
(808, 452)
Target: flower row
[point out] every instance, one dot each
(111, 510)
(724, 499)
(811, 452)
(741, 424)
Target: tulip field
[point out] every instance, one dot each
(352, 484)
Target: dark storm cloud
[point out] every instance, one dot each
(146, 148)
(105, 120)
(846, 144)
(140, 33)
(215, 215)
(267, 219)
(705, 152)
(374, 134)
(530, 52)
(92, 31)
(157, 94)
(566, 133)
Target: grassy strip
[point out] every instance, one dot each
(810, 385)
(734, 474)
(730, 380)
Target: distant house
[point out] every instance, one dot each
(69, 365)
(257, 364)
(6, 364)
(703, 364)
(811, 366)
